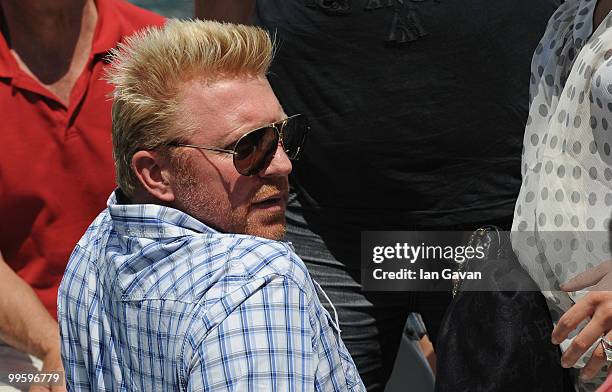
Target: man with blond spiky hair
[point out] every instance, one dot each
(182, 283)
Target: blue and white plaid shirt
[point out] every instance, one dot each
(154, 300)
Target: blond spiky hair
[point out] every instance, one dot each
(148, 70)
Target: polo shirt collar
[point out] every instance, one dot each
(108, 29)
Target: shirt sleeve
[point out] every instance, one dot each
(74, 321)
(280, 338)
(263, 344)
(335, 369)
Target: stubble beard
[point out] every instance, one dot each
(273, 227)
(193, 198)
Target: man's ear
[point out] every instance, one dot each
(151, 169)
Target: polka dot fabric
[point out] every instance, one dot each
(562, 216)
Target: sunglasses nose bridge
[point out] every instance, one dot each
(281, 136)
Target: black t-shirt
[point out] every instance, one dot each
(417, 107)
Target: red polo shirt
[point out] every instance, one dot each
(56, 167)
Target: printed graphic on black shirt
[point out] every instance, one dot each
(405, 24)
(332, 7)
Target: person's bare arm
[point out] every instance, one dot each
(429, 353)
(235, 11)
(25, 323)
(602, 9)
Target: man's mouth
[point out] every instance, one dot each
(278, 200)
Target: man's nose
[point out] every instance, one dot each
(279, 165)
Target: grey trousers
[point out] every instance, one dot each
(372, 323)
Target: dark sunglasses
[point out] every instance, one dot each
(254, 150)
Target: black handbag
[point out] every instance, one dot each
(498, 339)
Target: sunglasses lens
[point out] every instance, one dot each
(254, 149)
(294, 134)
